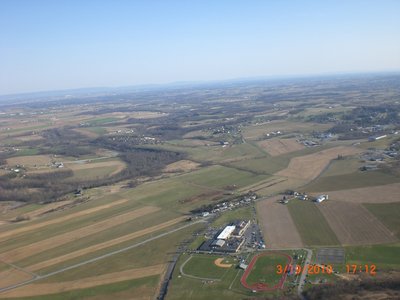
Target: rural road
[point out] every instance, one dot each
(302, 280)
(38, 277)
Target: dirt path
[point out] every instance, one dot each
(37, 247)
(13, 276)
(355, 225)
(100, 246)
(30, 227)
(309, 167)
(53, 288)
(277, 225)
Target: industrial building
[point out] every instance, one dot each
(229, 239)
(226, 233)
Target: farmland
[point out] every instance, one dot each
(279, 229)
(353, 224)
(88, 191)
(313, 228)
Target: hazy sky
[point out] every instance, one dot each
(47, 45)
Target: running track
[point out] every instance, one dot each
(262, 286)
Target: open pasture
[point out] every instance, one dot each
(279, 146)
(355, 180)
(94, 169)
(311, 224)
(309, 166)
(388, 214)
(354, 225)
(31, 249)
(7, 234)
(54, 288)
(31, 160)
(181, 166)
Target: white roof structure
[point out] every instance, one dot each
(321, 198)
(226, 232)
(218, 243)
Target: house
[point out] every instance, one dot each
(243, 266)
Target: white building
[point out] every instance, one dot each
(226, 233)
(321, 198)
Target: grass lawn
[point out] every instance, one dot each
(265, 270)
(243, 213)
(203, 266)
(383, 256)
(229, 288)
(220, 177)
(388, 214)
(311, 224)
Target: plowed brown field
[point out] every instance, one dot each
(277, 225)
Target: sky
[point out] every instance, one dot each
(52, 45)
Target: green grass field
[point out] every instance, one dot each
(267, 165)
(244, 213)
(265, 270)
(183, 288)
(311, 224)
(349, 181)
(203, 266)
(388, 214)
(155, 252)
(385, 257)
